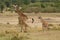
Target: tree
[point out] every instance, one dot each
(13, 1)
(33, 1)
(42, 5)
(26, 2)
(1, 8)
(7, 4)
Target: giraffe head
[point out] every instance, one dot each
(16, 7)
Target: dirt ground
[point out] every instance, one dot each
(12, 18)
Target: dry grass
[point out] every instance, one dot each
(8, 13)
(12, 32)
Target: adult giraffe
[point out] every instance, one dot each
(44, 23)
(22, 18)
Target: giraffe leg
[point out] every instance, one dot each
(25, 28)
(43, 29)
(21, 29)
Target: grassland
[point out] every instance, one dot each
(12, 32)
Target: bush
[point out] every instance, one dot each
(50, 25)
(35, 5)
(15, 38)
(20, 38)
(31, 9)
(1, 8)
(2, 35)
(42, 6)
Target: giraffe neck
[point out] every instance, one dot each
(21, 15)
(19, 11)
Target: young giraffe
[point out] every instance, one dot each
(22, 18)
(44, 24)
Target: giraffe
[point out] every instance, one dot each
(44, 23)
(22, 18)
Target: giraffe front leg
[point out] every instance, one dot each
(21, 28)
(25, 29)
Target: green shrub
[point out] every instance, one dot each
(2, 35)
(15, 38)
(42, 6)
(1, 8)
(20, 38)
(50, 25)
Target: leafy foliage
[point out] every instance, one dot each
(33, 1)
(43, 5)
(26, 2)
